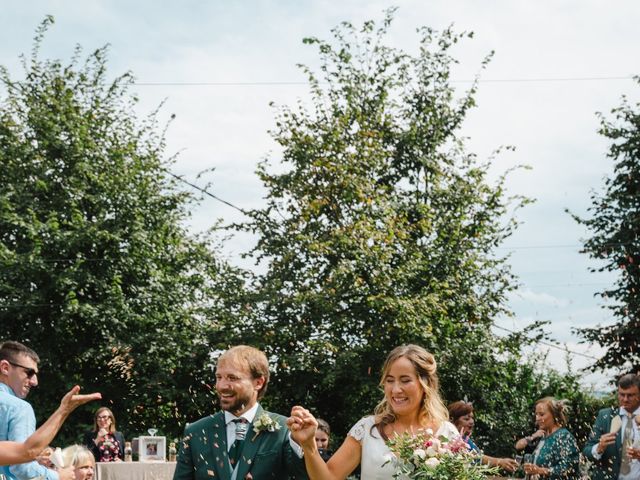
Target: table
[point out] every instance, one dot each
(135, 470)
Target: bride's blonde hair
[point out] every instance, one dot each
(433, 410)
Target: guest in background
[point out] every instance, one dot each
(610, 446)
(557, 455)
(81, 459)
(461, 415)
(18, 375)
(323, 434)
(104, 441)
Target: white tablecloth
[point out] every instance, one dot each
(135, 470)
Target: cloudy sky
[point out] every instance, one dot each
(219, 63)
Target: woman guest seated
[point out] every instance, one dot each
(81, 459)
(12, 453)
(461, 415)
(106, 444)
(411, 403)
(557, 455)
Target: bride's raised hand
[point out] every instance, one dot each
(303, 426)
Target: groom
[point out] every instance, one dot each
(243, 441)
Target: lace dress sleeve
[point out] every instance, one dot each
(448, 430)
(359, 429)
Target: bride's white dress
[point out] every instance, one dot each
(375, 451)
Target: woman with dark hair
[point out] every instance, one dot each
(461, 415)
(411, 403)
(104, 441)
(556, 456)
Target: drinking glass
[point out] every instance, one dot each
(527, 458)
(152, 431)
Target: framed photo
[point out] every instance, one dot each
(152, 449)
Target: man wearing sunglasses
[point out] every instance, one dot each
(18, 375)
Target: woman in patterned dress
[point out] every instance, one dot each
(104, 441)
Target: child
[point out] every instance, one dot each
(322, 439)
(81, 459)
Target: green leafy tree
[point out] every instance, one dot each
(379, 230)
(614, 225)
(97, 271)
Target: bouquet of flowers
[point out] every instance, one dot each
(423, 456)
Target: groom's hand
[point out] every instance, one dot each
(303, 427)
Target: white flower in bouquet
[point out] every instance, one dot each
(420, 454)
(432, 462)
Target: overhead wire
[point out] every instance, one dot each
(304, 83)
(552, 345)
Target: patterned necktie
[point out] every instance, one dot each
(242, 426)
(627, 439)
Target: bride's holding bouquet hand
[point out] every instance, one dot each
(408, 432)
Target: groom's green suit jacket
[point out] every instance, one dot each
(267, 455)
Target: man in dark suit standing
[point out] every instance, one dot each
(242, 441)
(615, 433)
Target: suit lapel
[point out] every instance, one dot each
(219, 447)
(250, 447)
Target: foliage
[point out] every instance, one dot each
(614, 224)
(379, 230)
(97, 273)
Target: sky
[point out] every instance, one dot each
(218, 65)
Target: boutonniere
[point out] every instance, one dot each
(265, 423)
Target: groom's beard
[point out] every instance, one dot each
(234, 404)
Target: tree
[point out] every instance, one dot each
(382, 230)
(614, 224)
(98, 272)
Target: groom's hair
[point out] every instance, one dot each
(253, 360)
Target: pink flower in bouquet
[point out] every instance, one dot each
(458, 445)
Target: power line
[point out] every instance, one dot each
(304, 83)
(551, 285)
(530, 247)
(549, 79)
(205, 191)
(552, 345)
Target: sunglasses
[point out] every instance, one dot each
(31, 372)
(103, 417)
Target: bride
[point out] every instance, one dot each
(411, 402)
